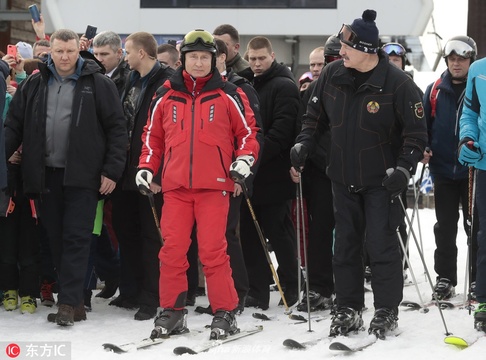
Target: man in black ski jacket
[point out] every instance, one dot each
(69, 120)
(375, 118)
(273, 190)
(133, 220)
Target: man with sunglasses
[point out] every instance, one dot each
(372, 116)
(443, 103)
(194, 122)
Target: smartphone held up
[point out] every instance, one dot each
(34, 12)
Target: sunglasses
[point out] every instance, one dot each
(394, 49)
(199, 36)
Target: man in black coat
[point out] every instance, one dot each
(273, 190)
(132, 216)
(69, 120)
(373, 118)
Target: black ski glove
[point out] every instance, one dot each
(298, 156)
(396, 180)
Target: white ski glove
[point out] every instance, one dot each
(240, 169)
(143, 178)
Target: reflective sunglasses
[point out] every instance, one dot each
(202, 36)
(460, 48)
(394, 49)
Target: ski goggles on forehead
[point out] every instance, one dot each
(394, 49)
(347, 35)
(459, 47)
(203, 37)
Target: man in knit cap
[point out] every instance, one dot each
(374, 122)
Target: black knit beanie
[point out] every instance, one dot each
(367, 32)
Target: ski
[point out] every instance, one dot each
(132, 346)
(462, 343)
(356, 344)
(296, 345)
(443, 305)
(137, 345)
(261, 316)
(207, 345)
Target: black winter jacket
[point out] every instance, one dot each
(97, 138)
(280, 108)
(158, 75)
(378, 126)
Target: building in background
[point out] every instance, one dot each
(295, 27)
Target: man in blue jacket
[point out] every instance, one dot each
(443, 105)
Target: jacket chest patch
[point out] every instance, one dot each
(211, 113)
(419, 110)
(373, 107)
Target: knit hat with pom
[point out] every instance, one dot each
(367, 33)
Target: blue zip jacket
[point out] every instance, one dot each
(473, 119)
(443, 130)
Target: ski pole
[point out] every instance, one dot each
(425, 266)
(298, 205)
(304, 242)
(407, 260)
(147, 192)
(237, 178)
(470, 222)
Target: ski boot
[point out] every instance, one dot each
(28, 304)
(316, 302)
(480, 318)
(443, 289)
(345, 320)
(224, 324)
(169, 322)
(10, 300)
(384, 320)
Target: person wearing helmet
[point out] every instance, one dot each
(371, 115)
(194, 122)
(443, 102)
(318, 195)
(396, 54)
(471, 153)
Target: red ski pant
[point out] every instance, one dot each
(209, 209)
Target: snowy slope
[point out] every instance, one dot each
(421, 338)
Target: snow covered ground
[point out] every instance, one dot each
(421, 334)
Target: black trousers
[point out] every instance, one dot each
(448, 195)
(68, 215)
(318, 195)
(139, 244)
(20, 250)
(371, 214)
(277, 227)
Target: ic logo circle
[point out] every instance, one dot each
(12, 350)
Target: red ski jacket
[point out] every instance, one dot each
(198, 136)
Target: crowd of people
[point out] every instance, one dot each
(102, 138)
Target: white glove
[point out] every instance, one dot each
(143, 178)
(240, 169)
